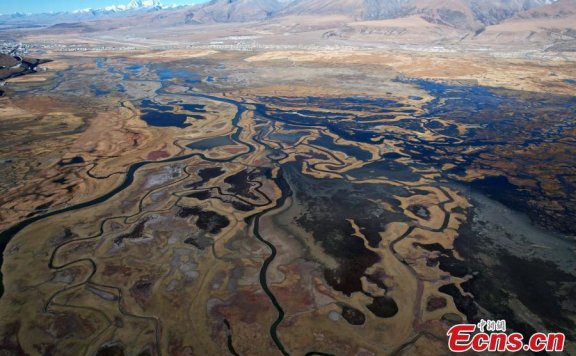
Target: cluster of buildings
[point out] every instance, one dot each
(14, 48)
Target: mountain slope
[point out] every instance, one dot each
(233, 11)
(536, 23)
(355, 9)
(472, 15)
(552, 25)
(463, 14)
(558, 9)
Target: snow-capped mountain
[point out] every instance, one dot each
(132, 5)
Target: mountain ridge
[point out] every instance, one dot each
(134, 7)
(537, 23)
(464, 14)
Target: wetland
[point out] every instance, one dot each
(278, 209)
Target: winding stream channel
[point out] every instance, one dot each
(424, 153)
(254, 221)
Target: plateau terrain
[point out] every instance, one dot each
(307, 177)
